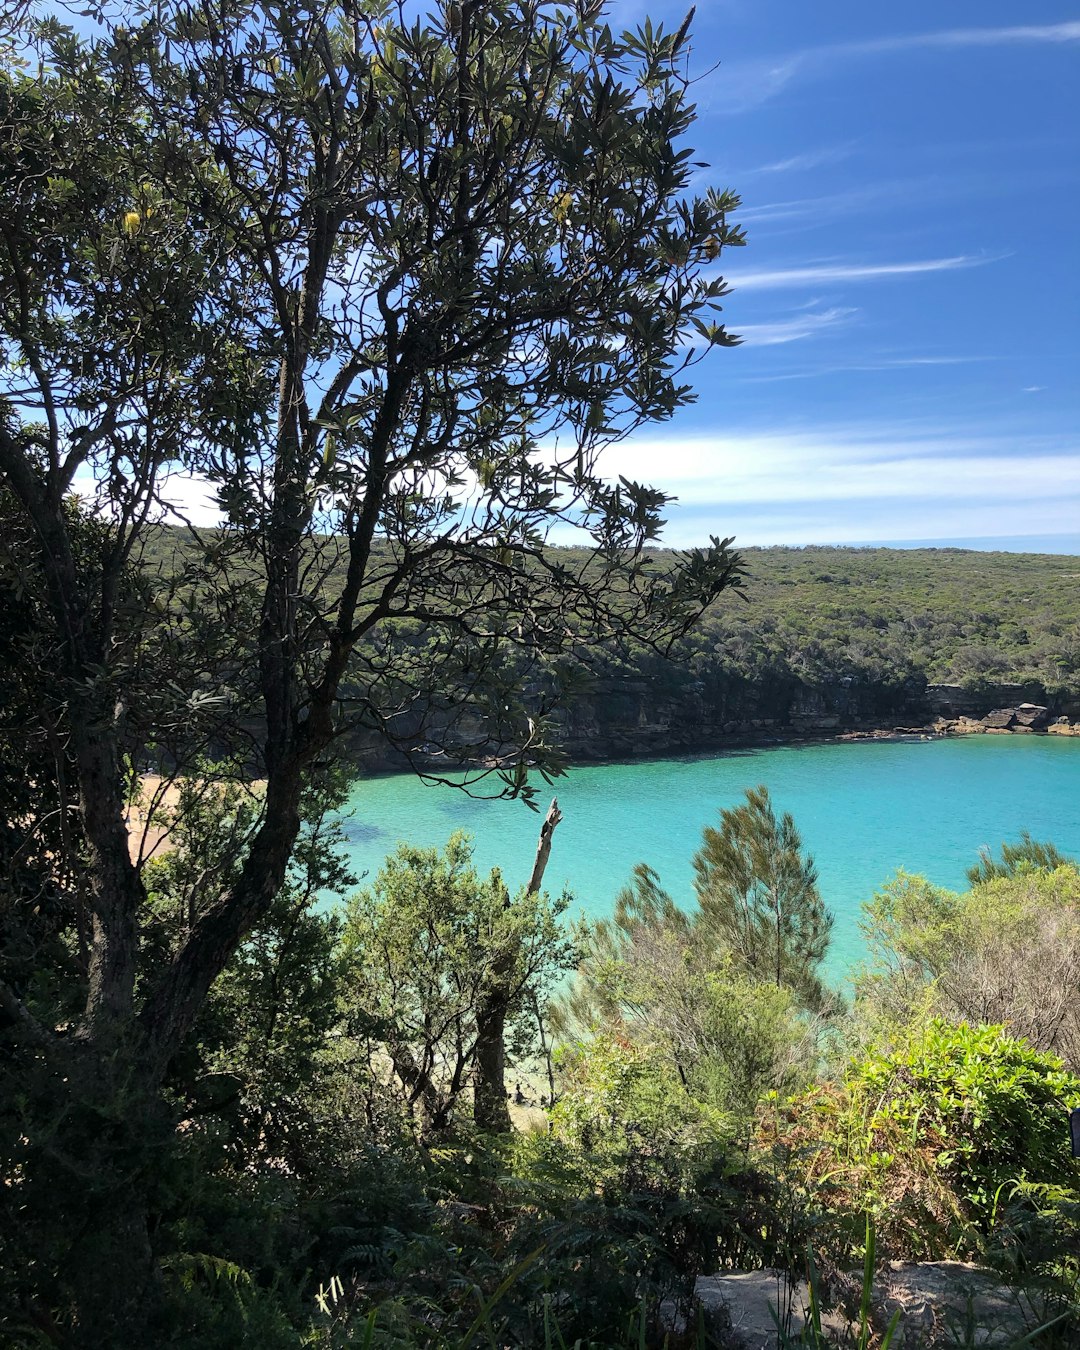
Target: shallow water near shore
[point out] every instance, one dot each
(864, 809)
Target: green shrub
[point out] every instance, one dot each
(1007, 950)
(932, 1137)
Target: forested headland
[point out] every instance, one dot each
(815, 641)
(826, 640)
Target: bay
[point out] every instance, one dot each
(864, 809)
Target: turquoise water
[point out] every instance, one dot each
(864, 808)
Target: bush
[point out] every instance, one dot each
(1007, 951)
(932, 1137)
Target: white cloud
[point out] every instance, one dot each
(975, 518)
(1034, 388)
(844, 484)
(749, 84)
(870, 196)
(183, 497)
(802, 325)
(810, 159)
(973, 37)
(817, 273)
(879, 364)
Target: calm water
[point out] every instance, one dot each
(864, 808)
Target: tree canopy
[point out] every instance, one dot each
(382, 289)
(758, 894)
(726, 995)
(425, 945)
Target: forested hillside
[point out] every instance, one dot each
(816, 640)
(946, 615)
(832, 639)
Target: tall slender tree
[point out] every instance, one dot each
(758, 894)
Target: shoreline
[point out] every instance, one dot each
(159, 795)
(939, 730)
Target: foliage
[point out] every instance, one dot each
(929, 1136)
(1007, 951)
(758, 893)
(621, 1101)
(1037, 1240)
(44, 924)
(726, 995)
(877, 622)
(355, 274)
(422, 948)
(349, 273)
(856, 632)
(636, 1176)
(756, 1042)
(260, 1064)
(1027, 853)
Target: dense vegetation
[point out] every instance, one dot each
(350, 273)
(944, 615)
(694, 1100)
(859, 632)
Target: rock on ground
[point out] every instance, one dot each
(941, 1303)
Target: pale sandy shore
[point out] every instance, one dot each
(151, 817)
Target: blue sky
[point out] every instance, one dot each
(910, 292)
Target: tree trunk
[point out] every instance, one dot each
(94, 1148)
(543, 846)
(114, 1279)
(489, 1108)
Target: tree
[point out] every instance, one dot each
(386, 288)
(758, 894)
(657, 977)
(1007, 950)
(257, 1061)
(500, 997)
(1029, 853)
(425, 945)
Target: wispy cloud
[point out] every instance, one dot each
(976, 37)
(817, 273)
(845, 483)
(885, 363)
(748, 84)
(887, 194)
(868, 197)
(803, 325)
(810, 159)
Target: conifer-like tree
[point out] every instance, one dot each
(759, 896)
(1030, 853)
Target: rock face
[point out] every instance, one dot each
(939, 1303)
(670, 713)
(663, 709)
(952, 701)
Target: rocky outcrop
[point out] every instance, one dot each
(935, 1304)
(1024, 718)
(666, 710)
(958, 701)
